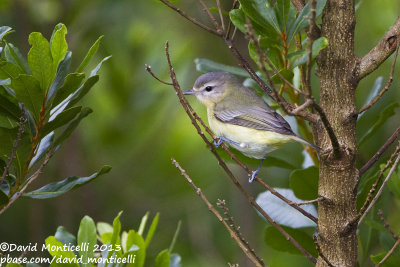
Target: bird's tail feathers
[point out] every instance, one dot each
(301, 140)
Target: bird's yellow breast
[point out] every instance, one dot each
(253, 143)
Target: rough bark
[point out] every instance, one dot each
(338, 175)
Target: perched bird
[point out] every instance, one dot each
(241, 118)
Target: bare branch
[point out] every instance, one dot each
(221, 17)
(148, 69)
(31, 179)
(390, 252)
(310, 201)
(251, 200)
(380, 52)
(191, 19)
(256, 260)
(386, 224)
(230, 23)
(388, 84)
(222, 204)
(378, 154)
(298, 4)
(378, 194)
(212, 18)
(21, 125)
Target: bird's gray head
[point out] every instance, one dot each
(212, 87)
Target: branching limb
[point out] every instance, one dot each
(298, 4)
(310, 201)
(378, 194)
(387, 85)
(148, 68)
(251, 200)
(238, 239)
(221, 17)
(380, 52)
(21, 125)
(378, 154)
(31, 179)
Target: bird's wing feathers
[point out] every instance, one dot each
(255, 117)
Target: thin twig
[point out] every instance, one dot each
(388, 83)
(303, 106)
(230, 22)
(310, 44)
(378, 154)
(148, 68)
(21, 126)
(386, 224)
(378, 194)
(225, 167)
(390, 252)
(194, 117)
(212, 18)
(249, 253)
(221, 17)
(193, 20)
(309, 201)
(222, 204)
(31, 179)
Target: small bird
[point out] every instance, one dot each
(239, 117)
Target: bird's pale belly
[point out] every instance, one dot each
(253, 143)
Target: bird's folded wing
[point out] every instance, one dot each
(255, 117)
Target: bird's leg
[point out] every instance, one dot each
(254, 173)
(222, 139)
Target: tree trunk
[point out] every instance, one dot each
(338, 174)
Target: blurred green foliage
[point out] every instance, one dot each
(138, 125)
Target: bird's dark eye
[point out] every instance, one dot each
(209, 88)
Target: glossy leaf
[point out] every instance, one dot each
(72, 82)
(274, 239)
(87, 238)
(71, 127)
(301, 57)
(304, 183)
(57, 250)
(287, 74)
(4, 30)
(93, 49)
(238, 19)
(394, 182)
(262, 12)
(282, 213)
(13, 55)
(27, 90)
(103, 228)
(384, 115)
(9, 109)
(9, 70)
(58, 44)
(44, 146)
(374, 92)
(143, 223)
(83, 90)
(62, 72)
(40, 60)
(162, 259)
(116, 229)
(58, 188)
(282, 11)
(64, 236)
(134, 239)
(62, 119)
(206, 65)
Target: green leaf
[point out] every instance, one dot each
(262, 12)
(387, 243)
(162, 259)
(274, 239)
(71, 127)
(303, 18)
(40, 60)
(58, 188)
(9, 109)
(72, 82)
(282, 11)
(63, 118)
(178, 229)
(383, 117)
(135, 241)
(304, 183)
(27, 91)
(302, 56)
(89, 55)
(13, 54)
(57, 250)
(206, 65)
(58, 44)
(13, 265)
(394, 182)
(103, 228)
(64, 236)
(9, 70)
(44, 145)
(287, 74)
(3, 197)
(116, 229)
(390, 262)
(7, 137)
(87, 239)
(238, 19)
(143, 223)
(83, 90)
(62, 72)
(4, 30)
(152, 229)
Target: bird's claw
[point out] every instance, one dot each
(253, 176)
(218, 143)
